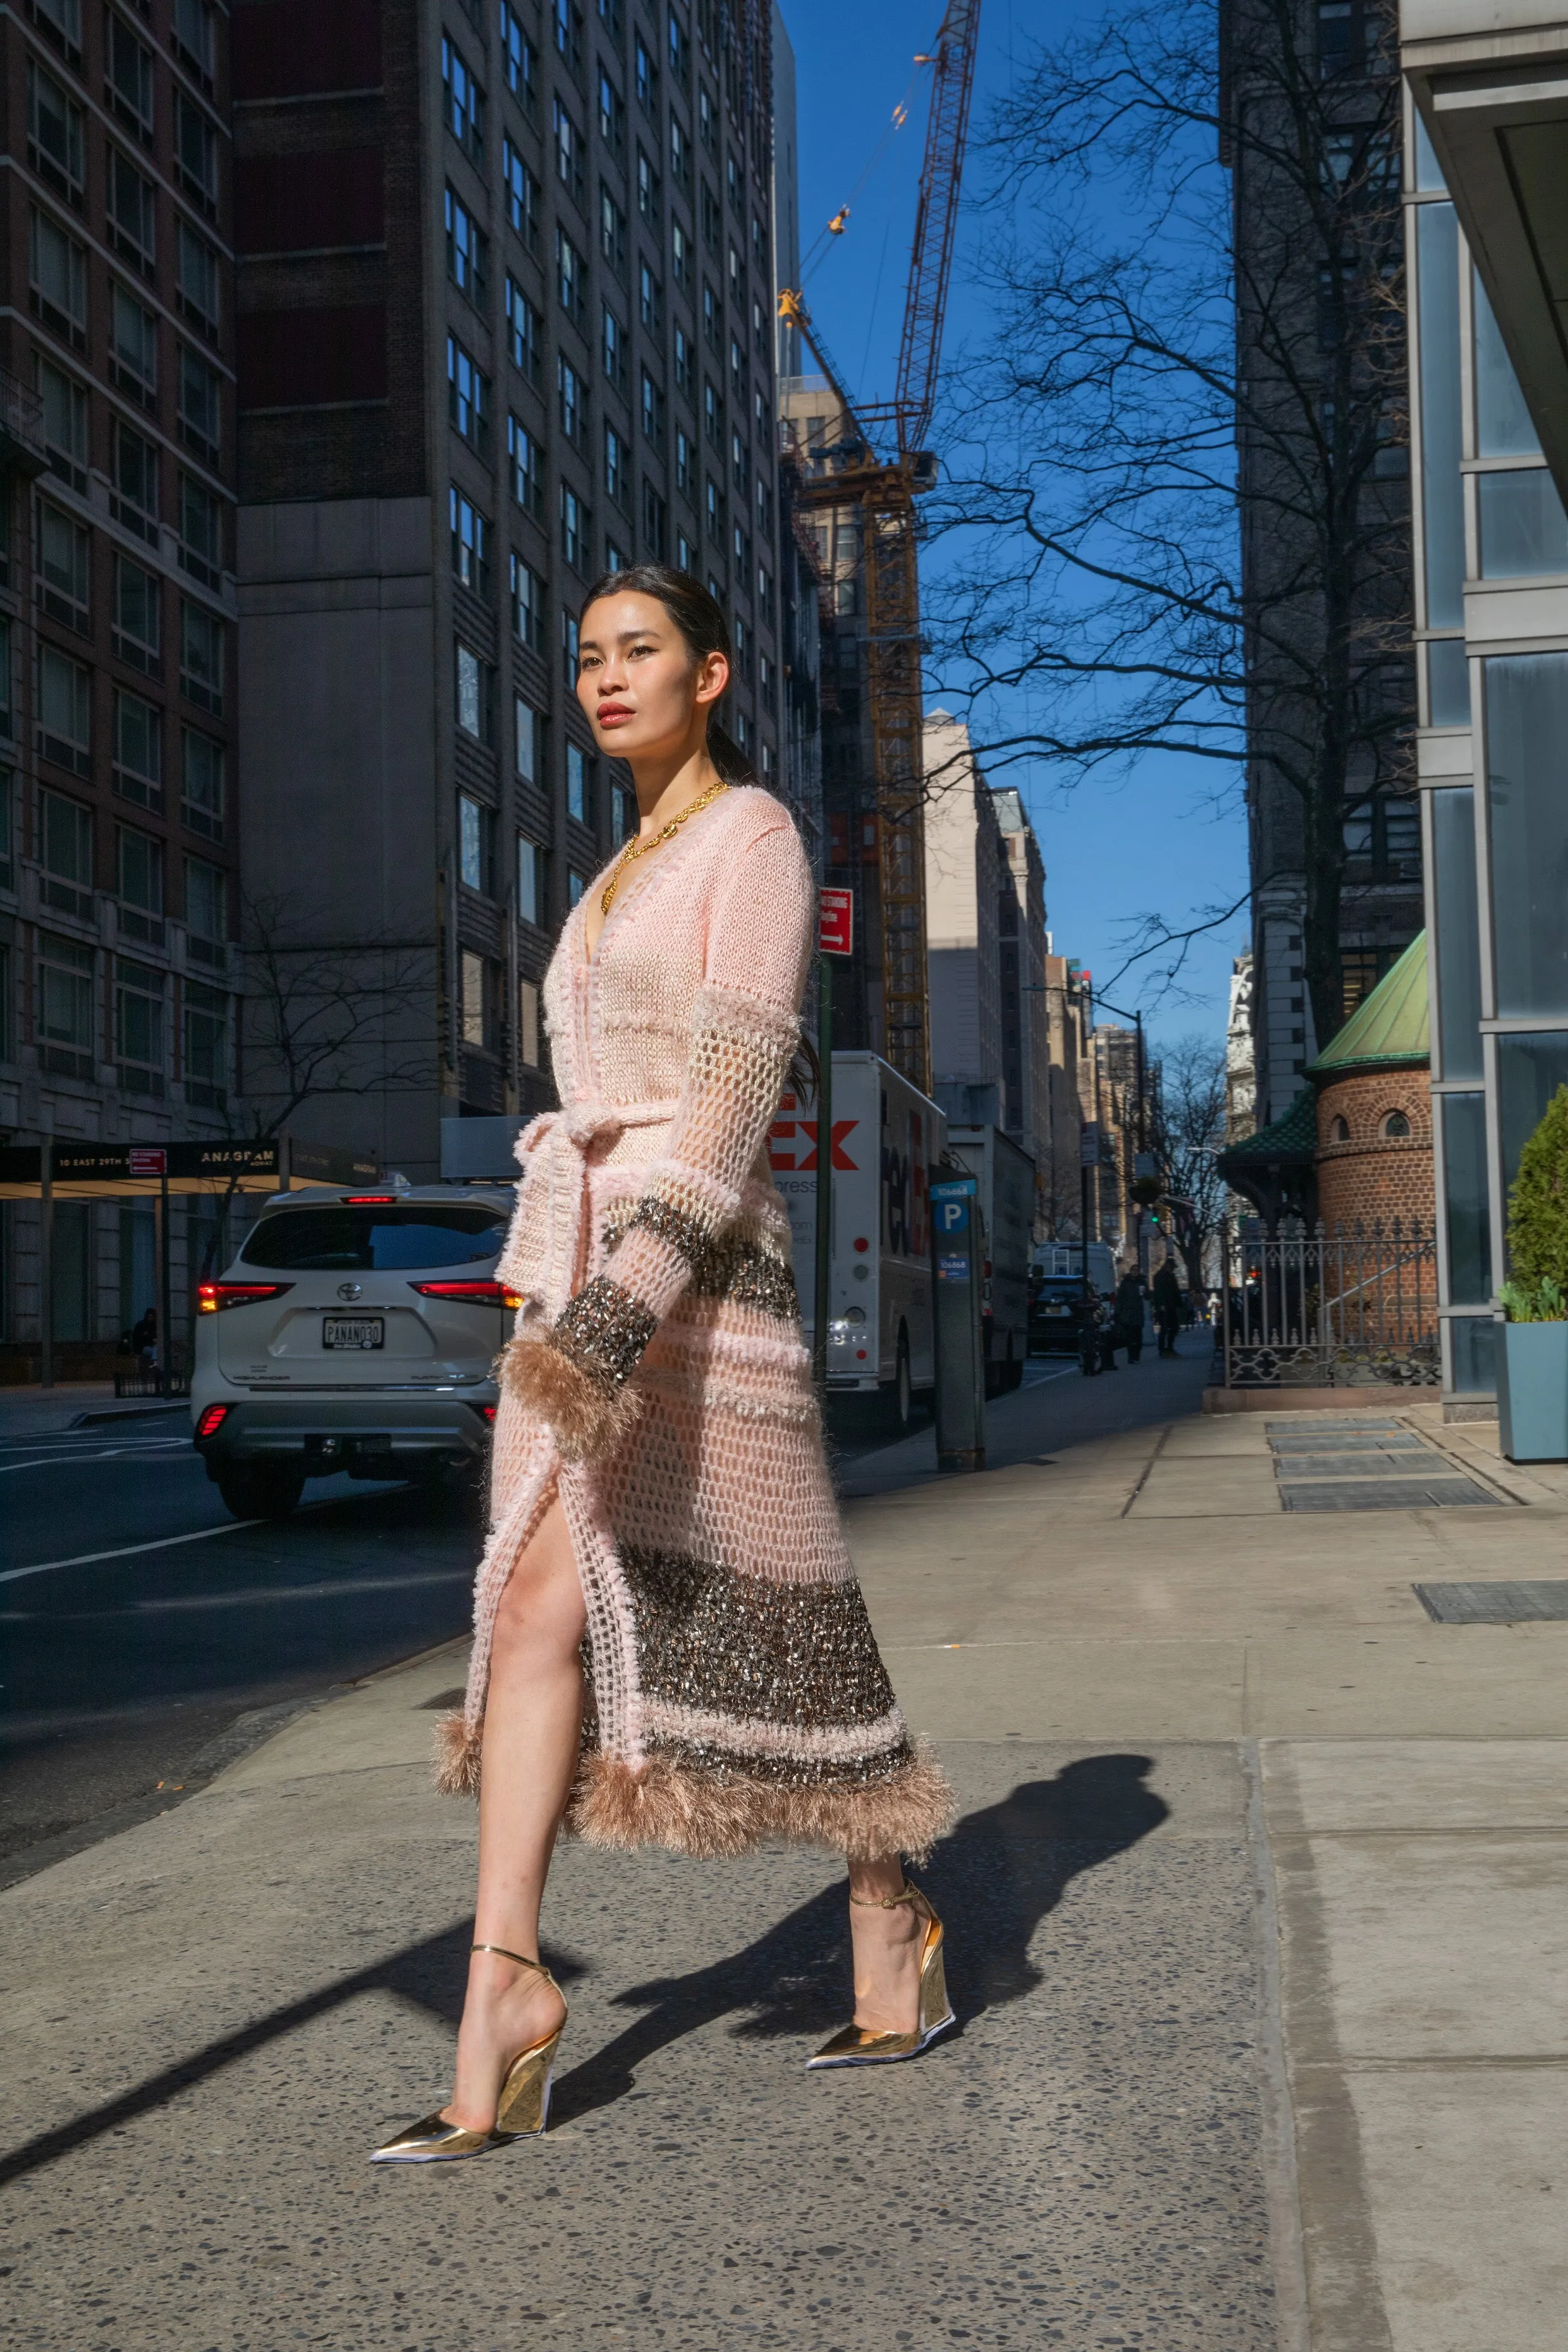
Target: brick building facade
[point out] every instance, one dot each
(1374, 1148)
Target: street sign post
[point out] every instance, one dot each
(835, 937)
(957, 1256)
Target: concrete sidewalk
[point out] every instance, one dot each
(1257, 1915)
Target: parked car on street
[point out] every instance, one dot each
(1056, 1292)
(354, 1331)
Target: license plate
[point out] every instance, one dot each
(353, 1331)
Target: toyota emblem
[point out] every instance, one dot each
(348, 1290)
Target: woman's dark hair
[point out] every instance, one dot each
(701, 623)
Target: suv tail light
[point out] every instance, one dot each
(211, 1297)
(475, 1294)
(211, 1421)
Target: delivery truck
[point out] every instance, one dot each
(886, 1136)
(1006, 1175)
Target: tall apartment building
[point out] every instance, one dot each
(1069, 1017)
(969, 885)
(119, 813)
(1309, 96)
(505, 287)
(1116, 1086)
(1485, 197)
(1026, 1022)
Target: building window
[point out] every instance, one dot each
(708, 209)
(612, 116)
(706, 123)
(473, 694)
(201, 658)
(679, 155)
(612, 231)
(64, 855)
(615, 558)
(614, 345)
(644, 75)
(571, 277)
(201, 782)
(575, 527)
(575, 886)
(683, 372)
(519, 62)
(140, 860)
(713, 506)
(64, 1014)
(475, 983)
(468, 398)
(196, 152)
(574, 402)
(474, 827)
(525, 331)
(652, 412)
(569, 650)
(651, 302)
(1523, 528)
(685, 555)
(615, 470)
(566, 24)
(467, 252)
(649, 201)
(470, 544)
(655, 522)
(65, 422)
(195, 36)
(206, 1045)
(132, 346)
(64, 710)
(128, 70)
(1395, 1127)
(576, 783)
(622, 819)
(525, 466)
(201, 533)
(57, 268)
(528, 741)
(710, 316)
(530, 875)
(527, 606)
(56, 149)
(200, 404)
(64, 549)
(132, 211)
(566, 140)
(684, 463)
(138, 1027)
(522, 196)
(463, 103)
(138, 749)
(206, 910)
(198, 274)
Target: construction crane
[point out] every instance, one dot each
(880, 466)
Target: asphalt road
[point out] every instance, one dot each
(117, 1672)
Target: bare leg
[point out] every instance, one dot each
(533, 1720)
(886, 1948)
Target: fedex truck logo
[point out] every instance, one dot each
(792, 1142)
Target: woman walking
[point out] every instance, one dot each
(670, 1647)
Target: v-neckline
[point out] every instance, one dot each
(601, 881)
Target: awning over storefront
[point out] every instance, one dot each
(96, 1172)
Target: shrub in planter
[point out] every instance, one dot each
(1532, 1392)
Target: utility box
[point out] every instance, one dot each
(958, 1267)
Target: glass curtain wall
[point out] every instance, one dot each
(1493, 761)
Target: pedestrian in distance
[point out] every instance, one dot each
(1166, 1293)
(670, 1646)
(1128, 1314)
(1088, 1332)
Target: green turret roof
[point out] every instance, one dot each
(1388, 1026)
(1292, 1136)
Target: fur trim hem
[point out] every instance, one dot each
(711, 1815)
(587, 1421)
(458, 1757)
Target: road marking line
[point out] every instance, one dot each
(124, 1551)
(112, 1453)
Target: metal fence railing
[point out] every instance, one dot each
(1350, 1308)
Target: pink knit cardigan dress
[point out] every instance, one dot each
(658, 1382)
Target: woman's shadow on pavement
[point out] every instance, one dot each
(993, 1879)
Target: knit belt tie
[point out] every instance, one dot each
(554, 1149)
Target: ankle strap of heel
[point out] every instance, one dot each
(522, 1959)
(887, 1901)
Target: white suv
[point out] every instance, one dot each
(355, 1331)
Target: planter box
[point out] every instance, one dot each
(1532, 1392)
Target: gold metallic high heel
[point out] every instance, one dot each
(857, 2045)
(523, 2108)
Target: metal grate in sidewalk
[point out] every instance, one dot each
(1495, 1604)
(1337, 1464)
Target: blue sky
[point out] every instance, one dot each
(1114, 849)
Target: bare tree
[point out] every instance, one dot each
(346, 1019)
(1189, 1130)
(1178, 494)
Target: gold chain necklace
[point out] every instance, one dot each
(637, 848)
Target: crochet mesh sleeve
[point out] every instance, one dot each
(745, 1027)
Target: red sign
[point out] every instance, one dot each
(836, 922)
(792, 1144)
(148, 1159)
